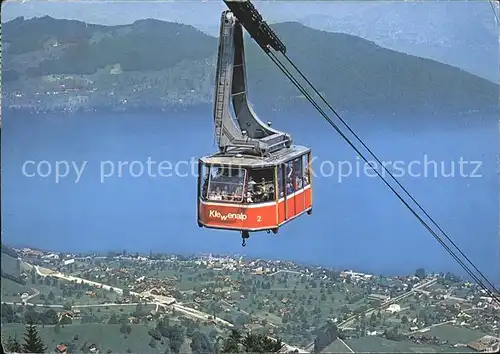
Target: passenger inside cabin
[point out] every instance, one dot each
(260, 185)
(226, 184)
(251, 184)
(238, 194)
(306, 176)
(270, 190)
(290, 179)
(216, 195)
(204, 189)
(249, 197)
(298, 182)
(260, 192)
(225, 193)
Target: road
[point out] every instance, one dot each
(384, 304)
(425, 329)
(74, 306)
(387, 303)
(158, 301)
(48, 272)
(32, 296)
(286, 271)
(459, 299)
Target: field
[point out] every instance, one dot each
(336, 347)
(382, 345)
(455, 334)
(11, 289)
(106, 311)
(10, 265)
(290, 305)
(106, 336)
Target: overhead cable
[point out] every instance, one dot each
(287, 73)
(389, 173)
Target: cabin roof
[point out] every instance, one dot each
(247, 160)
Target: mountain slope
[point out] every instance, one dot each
(82, 49)
(353, 72)
(157, 64)
(460, 33)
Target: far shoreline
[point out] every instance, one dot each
(262, 109)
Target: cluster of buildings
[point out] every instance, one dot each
(63, 349)
(424, 339)
(460, 303)
(486, 344)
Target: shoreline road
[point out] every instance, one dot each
(158, 300)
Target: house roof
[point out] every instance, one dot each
(61, 348)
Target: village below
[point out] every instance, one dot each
(169, 303)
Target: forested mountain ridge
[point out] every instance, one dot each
(65, 64)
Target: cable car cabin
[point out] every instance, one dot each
(258, 180)
(248, 193)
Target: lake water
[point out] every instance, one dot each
(357, 222)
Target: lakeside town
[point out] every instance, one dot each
(280, 299)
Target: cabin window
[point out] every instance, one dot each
(204, 172)
(226, 184)
(306, 178)
(294, 173)
(281, 179)
(289, 177)
(298, 173)
(260, 185)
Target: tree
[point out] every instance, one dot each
(200, 343)
(8, 313)
(242, 319)
(232, 343)
(251, 343)
(420, 273)
(123, 328)
(113, 319)
(13, 345)
(49, 317)
(404, 320)
(51, 296)
(258, 343)
(32, 341)
(326, 335)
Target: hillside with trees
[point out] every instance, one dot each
(157, 64)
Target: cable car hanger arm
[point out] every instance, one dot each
(246, 133)
(266, 39)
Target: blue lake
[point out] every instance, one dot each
(357, 221)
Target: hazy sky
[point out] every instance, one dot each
(459, 33)
(193, 12)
